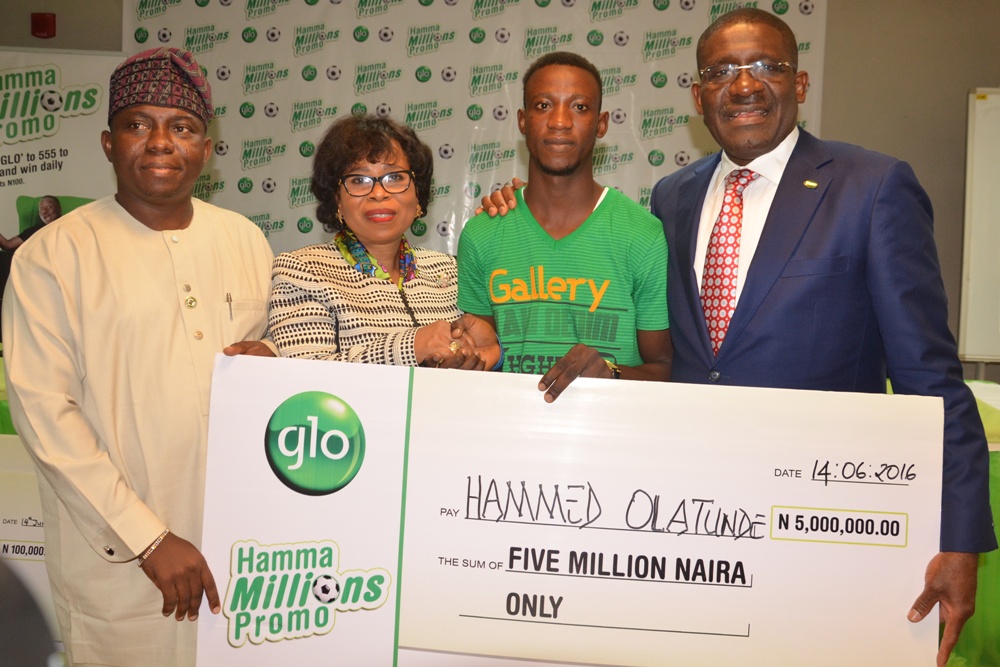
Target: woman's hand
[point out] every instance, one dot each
(437, 345)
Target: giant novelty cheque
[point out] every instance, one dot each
(397, 516)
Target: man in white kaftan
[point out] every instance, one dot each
(112, 320)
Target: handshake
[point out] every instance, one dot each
(468, 343)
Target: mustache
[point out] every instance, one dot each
(755, 102)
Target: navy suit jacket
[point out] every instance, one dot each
(844, 290)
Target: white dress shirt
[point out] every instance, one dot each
(757, 198)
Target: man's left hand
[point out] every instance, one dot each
(951, 581)
(482, 333)
(580, 361)
(181, 573)
(253, 348)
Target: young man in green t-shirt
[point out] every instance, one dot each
(573, 278)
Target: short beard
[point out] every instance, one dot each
(568, 170)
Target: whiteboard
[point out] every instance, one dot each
(979, 324)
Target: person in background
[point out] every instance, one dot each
(368, 296)
(25, 639)
(49, 209)
(113, 316)
(573, 280)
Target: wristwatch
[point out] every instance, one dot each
(616, 372)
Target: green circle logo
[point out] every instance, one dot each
(660, 5)
(426, 3)
(315, 443)
(359, 108)
(201, 3)
(423, 74)
(247, 109)
(305, 225)
(779, 6)
(543, 3)
(472, 190)
(249, 35)
(308, 73)
(658, 79)
(595, 37)
(418, 228)
(656, 157)
(477, 35)
(360, 33)
(307, 148)
(244, 185)
(474, 112)
(141, 35)
(311, 2)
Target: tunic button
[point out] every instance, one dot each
(109, 551)
(190, 302)
(187, 288)
(175, 238)
(198, 335)
(714, 376)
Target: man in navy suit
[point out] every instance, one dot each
(837, 281)
(838, 284)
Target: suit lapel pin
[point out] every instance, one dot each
(812, 185)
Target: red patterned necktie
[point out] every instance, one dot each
(718, 280)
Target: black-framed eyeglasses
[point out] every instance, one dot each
(395, 182)
(761, 70)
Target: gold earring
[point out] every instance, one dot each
(420, 211)
(340, 218)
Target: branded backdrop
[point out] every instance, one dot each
(281, 70)
(53, 107)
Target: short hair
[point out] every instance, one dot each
(563, 58)
(54, 200)
(750, 16)
(364, 137)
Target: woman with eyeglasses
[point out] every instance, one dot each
(367, 296)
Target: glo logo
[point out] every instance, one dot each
(315, 443)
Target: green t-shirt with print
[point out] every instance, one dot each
(596, 286)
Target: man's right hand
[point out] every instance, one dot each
(581, 361)
(501, 201)
(181, 573)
